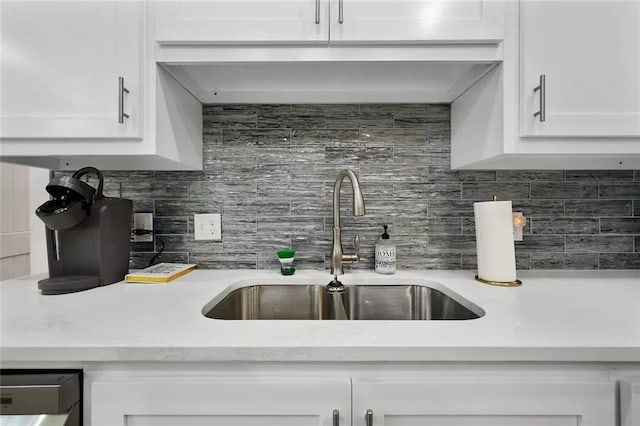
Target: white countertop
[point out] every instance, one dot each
(589, 316)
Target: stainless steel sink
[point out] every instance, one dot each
(361, 302)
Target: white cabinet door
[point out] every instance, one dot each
(194, 401)
(589, 52)
(416, 21)
(242, 21)
(482, 403)
(309, 21)
(629, 403)
(61, 63)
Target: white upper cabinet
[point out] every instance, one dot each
(62, 64)
(328, 51)
(242, 21)
(416, 21)
(324, 21)
(79, 85)
(589, 53)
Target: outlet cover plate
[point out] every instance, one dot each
(517, 230)
(207, 226)
(143, 221)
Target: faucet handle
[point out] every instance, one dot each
(352, 258)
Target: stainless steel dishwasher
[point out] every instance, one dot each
(40, 399)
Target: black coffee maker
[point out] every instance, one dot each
(87, 234)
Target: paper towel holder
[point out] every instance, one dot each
(515, 283)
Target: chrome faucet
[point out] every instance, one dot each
(338, 258)
(335, 288)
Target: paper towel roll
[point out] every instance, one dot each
(494, 241)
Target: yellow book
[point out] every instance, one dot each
(160, 273)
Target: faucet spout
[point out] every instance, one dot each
(336, 292)
(338, 258)
(358, 199)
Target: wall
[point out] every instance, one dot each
(38, 180)
(14, 221)
(269, 169)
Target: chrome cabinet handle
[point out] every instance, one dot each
(356, 244)
(121, 91)
(336, 418)
(340, 12)
(317, 12)
(368, 418)
(542, 88)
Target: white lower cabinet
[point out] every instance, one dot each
(630, 402)
(628, 377)
(482, 403)
(325, 396)
(213, 401)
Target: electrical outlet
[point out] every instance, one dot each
(143, 221)
(207, 226)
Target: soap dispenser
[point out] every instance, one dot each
(385, 254)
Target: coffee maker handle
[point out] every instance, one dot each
(92, 170)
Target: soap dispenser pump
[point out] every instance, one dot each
(385, 254)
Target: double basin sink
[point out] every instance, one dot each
(358, 302)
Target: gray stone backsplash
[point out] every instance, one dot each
(269, 170)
